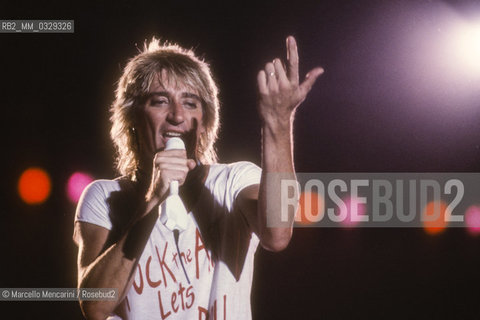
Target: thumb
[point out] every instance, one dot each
(310, 79)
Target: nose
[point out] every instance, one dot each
(176, 114)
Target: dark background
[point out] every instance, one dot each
(361, 116)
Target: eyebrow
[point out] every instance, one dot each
(184, 95)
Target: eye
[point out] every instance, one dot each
(158, 102)
(190, 104)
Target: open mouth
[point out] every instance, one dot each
(167, 135)
(188, 137)
(171, 134)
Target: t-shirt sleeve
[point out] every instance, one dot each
(93, 207)
(242, 175)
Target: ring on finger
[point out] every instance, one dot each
(271, 74)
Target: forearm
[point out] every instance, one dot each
(277, 164)
(280, 94)
(109, 270)
(115, 267)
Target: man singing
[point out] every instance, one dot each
(200, 265)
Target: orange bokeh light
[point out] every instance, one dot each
(434, 224)
(311, 204)
(34, 186)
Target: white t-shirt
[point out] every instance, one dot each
(217, 250)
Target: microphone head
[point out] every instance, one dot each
(175, 143)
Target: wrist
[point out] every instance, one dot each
(278, 128)
(151, 202)
(156, 193)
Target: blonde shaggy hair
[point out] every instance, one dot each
(180, 65)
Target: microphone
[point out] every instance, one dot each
(172, 212)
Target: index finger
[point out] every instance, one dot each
(292, 57)
(173, 153)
